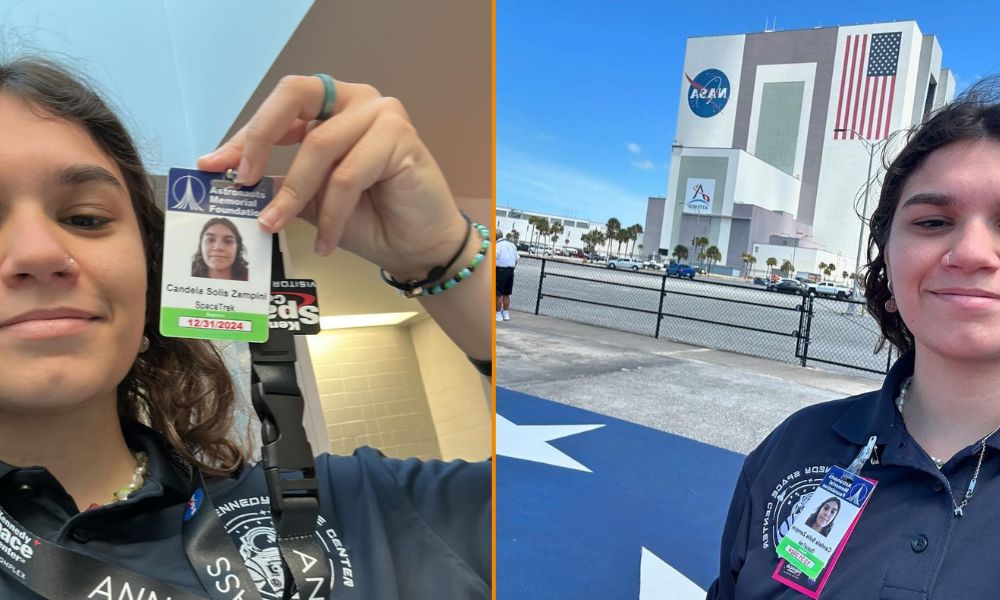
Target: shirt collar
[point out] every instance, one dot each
(166, 466)
(875, 413)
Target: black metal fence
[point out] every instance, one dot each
(728, 316)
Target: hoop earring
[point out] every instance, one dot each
(144, 344)
(890, 304)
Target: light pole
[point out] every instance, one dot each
(871, 148)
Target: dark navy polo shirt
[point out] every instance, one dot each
(395, 529)
(907, 545)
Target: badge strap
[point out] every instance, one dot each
(287, 458)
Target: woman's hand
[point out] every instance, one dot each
(363, 177)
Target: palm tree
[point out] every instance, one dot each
(611, 230)
(680, 252)
(829, 270)
(787, 268)
(622, 237)
(771, 262)
(713, 255)
(822, 267)
(751, 260)
(555, 231)
(845, 274)
(640, 248)
(634, 232)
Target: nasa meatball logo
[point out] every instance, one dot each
(709, 92)
(788, 497)
(248, 521)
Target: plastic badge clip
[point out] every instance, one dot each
(284, 449)
(859, 461)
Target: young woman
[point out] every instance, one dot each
(221, 253)
(102, 418)
(821, 521)
(933, 284)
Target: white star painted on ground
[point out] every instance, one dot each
(660, 581)
(531, 442)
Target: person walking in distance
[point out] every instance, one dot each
(506, 261)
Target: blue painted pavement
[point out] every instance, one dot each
(564, 533)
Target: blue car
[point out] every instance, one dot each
(679, 270)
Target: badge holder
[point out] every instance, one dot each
(816, 539)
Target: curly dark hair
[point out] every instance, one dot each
(180, 387)
(240, 269)
(975, 115)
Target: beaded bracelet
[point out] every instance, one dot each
(414, 289)
(465, 273)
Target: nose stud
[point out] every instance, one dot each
(947, 259)
(69, 266)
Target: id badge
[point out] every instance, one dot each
(815, 540)
(216, 259)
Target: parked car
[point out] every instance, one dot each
(678, 270)
(761, 281)
(625, 263)
(652, 264)
(574, 253)
(829, 289)
(788, 286)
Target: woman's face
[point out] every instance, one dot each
(65, 337)
(826, 514)
(218, 247)
(943, 252)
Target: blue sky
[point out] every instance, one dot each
(587, 90)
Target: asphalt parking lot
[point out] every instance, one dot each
(762, 323)
(721, 398)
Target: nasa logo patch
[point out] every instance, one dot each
(708, 92)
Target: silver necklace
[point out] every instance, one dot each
(900, 401)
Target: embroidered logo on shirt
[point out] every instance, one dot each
(248, 521)
(787, 499)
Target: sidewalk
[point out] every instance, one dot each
(728, 400)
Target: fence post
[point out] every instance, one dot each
(541, 278)
(807, 307)
(659, 312)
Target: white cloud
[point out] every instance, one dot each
(634, 148)
(533, 183)
(643, 164)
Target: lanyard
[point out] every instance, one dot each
(287, 458)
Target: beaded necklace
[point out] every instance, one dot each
(138, 478)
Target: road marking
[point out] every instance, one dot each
(660, 581)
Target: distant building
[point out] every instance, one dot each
(758, 165)
(515, 219)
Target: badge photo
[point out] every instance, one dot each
(216, 259)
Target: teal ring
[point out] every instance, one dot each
(329, 96)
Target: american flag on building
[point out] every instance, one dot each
(867, 85)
